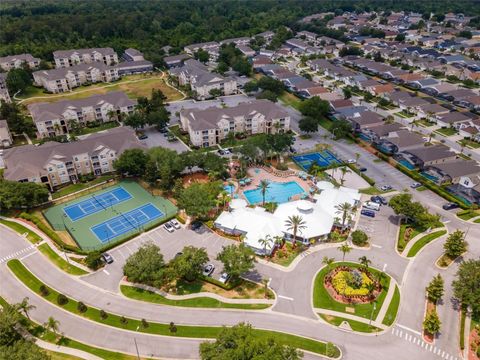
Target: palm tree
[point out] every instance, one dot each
(263, 186)
(431, 136)
(278, 240)
(345, 249)
(364, 261)
(344, 209)
(25, 307)
(223, 198)
(357, 156)
(265, 242)
(295, 223)
(370, 287)
(328, 261)
(344, 171)
(52, 325)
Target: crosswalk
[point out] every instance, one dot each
(415, 337)
(17, 254)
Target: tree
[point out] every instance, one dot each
(359, 238)
(466, 287)
(52, 325)
(328, 261)
(344, 209)
(236, 260)
(314, 107)
(190, 264)
(250, 86)
(146, 266)
(240, 342)
(435, 289)
(465, 34)
(341, 129)
(158, 118)
(364, 261)
(268, 95)
(308, 124)
(197, 200)
(347, 93)
(9, 320)
(215, 93)
(270, 84)
(25, 307)
(266, 242)
(25, 195)
(400, 37)
(131, 162)
(94, 260)
(263, 187)
(432, 323)
(136, 120)
(296, 224)
(202, 56)
(403, 205)
(455, 244)
(18, 80)
(23, 350)
(345, 249)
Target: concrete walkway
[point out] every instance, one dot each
(386, 303)
(419, 236)
(66, 350)
(350, 317)
(466, 334)
(198, 295)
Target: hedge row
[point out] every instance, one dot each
(369, 180)
(431, 186)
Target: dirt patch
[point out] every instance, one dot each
(198, 177)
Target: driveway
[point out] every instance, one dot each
(156, 138)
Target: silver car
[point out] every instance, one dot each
(208, 270)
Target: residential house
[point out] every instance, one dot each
(382, 90)
(208, 127)
(4, 95)
(132, 55)
(365, 119)
(259, 61)
(297, 44)
(6, 139)
(423, 156)
(212, 47)
(175, 60)
(347, 112)
(134, 67)
(312, 91)
(430, 111)
(68, 58)
(55, 164)
(397, 141)
(57, 118)
(266, 35)
(307, 35)
(65, 79)
(246, 50)
(374, 132)
(465, 172)
(240, 41)
(17, 61)
(449, 119)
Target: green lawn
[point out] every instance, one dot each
(425, 123)
(290, 100)
(105, 126)
(327, 124)
(61, 263)
(48, 336)
(469, 143)
(468, 214)
(401, 243)
(446, 131)
(322, 299)
(424, 240)
(355, 325)
(175, 130)
(392, 308)
(204, 332)
(404, 114)
(372, 190)
(421, 188)
(203, 302)
(32, 237)
(70, 189)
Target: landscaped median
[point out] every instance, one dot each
(30, 235)
(418, 244)
(59, 262)
(121, 322)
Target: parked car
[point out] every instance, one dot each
(178, 254)
(142, 137)
(196, 225)
(368, 213)
(107, 258)
(351, 161)
(415, 185)
(163, 130)
(221, 152)
(363, 169)
(167, 226)
(208, 270)
(450, 206)
(224, 278)
(175, 223)
(370, 205)
(386, 187)
(227, 151)
(379, 200)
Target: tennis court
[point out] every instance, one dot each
(126, 222)
(322, 158)
(110, 215)
(97, 203)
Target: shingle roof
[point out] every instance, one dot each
(432, 153)
(459, 168)
(68, 53)
(21, 57)
(60, 73)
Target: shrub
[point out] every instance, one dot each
(359, 238)
(145, 323)
(94, 260)
(62, 299)
(44, 290)
(81, 307)
(103, 314)
(172, 328)
(124, 320)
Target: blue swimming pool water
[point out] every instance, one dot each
(230, 189)
(276, 192)
(322, 158)
(407, 164)
(429, 177)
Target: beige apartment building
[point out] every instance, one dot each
(68, 58)
(17, 61)
(52, 119)
(5, 135)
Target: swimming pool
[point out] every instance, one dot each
(276, 192)
(230, 189)
(322, 158)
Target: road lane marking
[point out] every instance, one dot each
(376, 246)
(26, 256)
(384, 267)
(409, 329)
(285, 297)
(106, 272)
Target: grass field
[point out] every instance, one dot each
(93, 314)
(133, 85)
(290, 100)
(201, 302)
(446, 131)
(322, 299)
(392, 308)
(32, 237)
(61, 263)
(401, 243)
(424, 240)
(70, 189)
(355, 325)
(81, 229)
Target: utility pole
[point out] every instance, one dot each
(136, 348)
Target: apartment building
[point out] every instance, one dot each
(208, 127)
(68, 58)
(17, 61)
(64, 79)
(132, 55)
(5, 135)
(52, 119)
(55, 164)
(4, 95)
(202, 81)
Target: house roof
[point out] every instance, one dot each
(176, 58)
(433, 108)
(61, 73)
(21, 57)
(381, 89)
(404, 138)
(432, 153)
(68, 53)
(459, 168)
(452, 117)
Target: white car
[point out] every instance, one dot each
(175, 224)
(167, 226)
(351, 161)
(370, 205)
(415, 185)
(208, 270)
(224, 278)
(386, 188)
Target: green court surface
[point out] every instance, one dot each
(98, 220)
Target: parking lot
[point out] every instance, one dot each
(169, 243)
(156, 138)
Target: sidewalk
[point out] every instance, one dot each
(419, 236)
(66, 350)
(350, 317)
(386, 303)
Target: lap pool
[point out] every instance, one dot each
(276, 192)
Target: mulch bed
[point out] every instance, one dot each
(474, 341)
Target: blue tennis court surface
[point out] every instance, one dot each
(323, 159)
(96, 203)
(126, 222)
